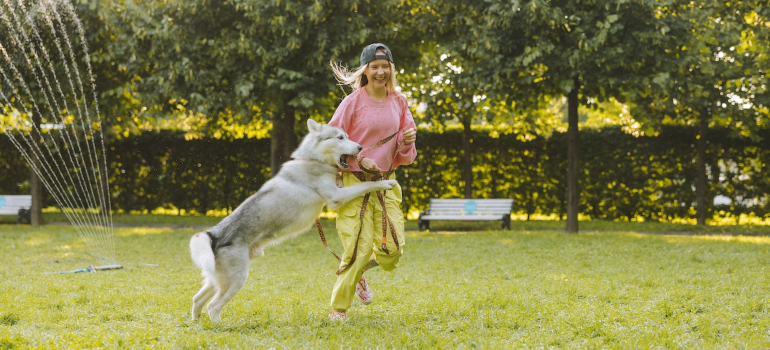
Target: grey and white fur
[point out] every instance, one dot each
(284, 207)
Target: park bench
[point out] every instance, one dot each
(16, 205)
(467, 209)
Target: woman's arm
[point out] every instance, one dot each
(408, 151)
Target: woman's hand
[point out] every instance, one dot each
(410, 136)
(369, 164)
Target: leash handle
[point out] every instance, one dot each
(378, 174)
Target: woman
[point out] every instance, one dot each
(373, 112)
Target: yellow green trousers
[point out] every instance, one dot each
(348, 222)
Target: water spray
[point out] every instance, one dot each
(50, 103)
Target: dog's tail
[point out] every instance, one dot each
(201, 252)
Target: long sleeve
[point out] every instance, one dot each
(407, 153)
(367, 122)
(343, 116)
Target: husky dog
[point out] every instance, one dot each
(284, 207)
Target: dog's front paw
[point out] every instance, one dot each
(388, 184)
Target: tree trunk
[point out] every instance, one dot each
(282, 138)
(573, 192)
(35, 184)
(467, 166)
(700, 181)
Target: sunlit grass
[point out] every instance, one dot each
(603, 226)
(55, 216)
(460, 289)
(721, 223)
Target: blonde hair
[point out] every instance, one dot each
(356, 78)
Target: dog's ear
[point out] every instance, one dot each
(313, 126)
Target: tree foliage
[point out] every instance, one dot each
(712, 68)
(240, 61)
(709, 76)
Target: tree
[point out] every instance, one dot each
(712, 76)
(582, 49)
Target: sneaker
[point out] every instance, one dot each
(363, 292)
(337, 315)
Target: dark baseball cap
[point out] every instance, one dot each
(369, 53)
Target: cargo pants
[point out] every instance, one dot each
(348, 222)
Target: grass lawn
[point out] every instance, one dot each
(198, 221)
(458, 289)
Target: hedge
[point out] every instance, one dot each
(622, 177)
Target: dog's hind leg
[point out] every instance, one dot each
(203, 296)
(229, 282)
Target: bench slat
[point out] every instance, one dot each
(461, 217)
(478, 206)
(506, 201)
(10, 205)
(495, 207)
(460, 205)
(477, 212)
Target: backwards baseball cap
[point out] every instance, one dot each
(370, 53)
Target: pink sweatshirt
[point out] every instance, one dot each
(367, 122)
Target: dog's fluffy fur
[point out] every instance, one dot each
(284, 207)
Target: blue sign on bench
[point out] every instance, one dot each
(470, 207)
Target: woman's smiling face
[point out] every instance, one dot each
(378, 72)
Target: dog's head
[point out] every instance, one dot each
(327, 143)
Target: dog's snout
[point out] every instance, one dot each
(360, 148)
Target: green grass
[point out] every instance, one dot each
(599, 226)
(534, 225)
(460, 289)
(132, 219)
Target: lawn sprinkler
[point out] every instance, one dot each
(94, 269)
